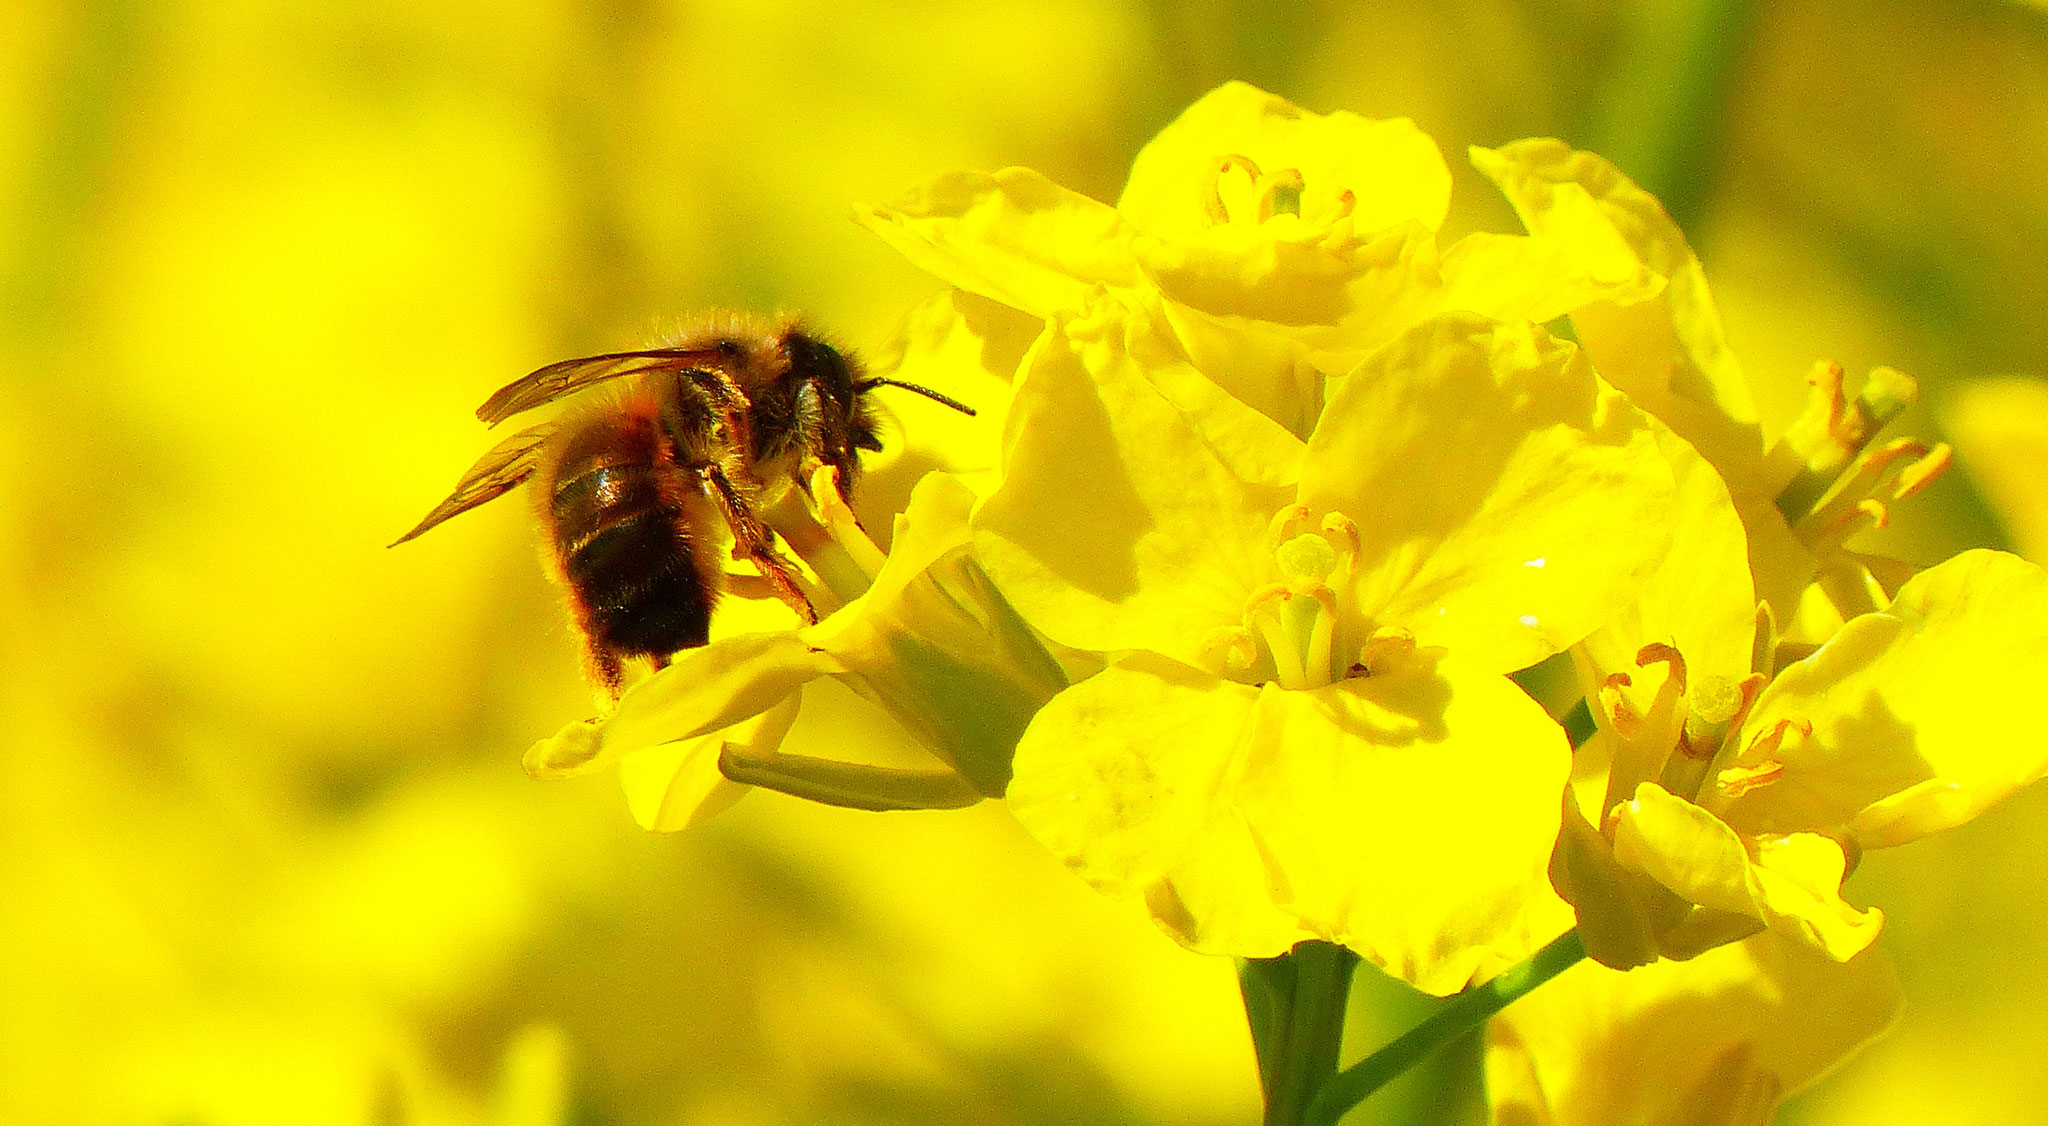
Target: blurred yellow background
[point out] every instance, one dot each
(266, 853)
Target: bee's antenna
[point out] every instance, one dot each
(927, 392)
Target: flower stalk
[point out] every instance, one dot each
(1295, 1004)
(1464, 1013)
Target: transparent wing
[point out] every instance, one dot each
(494, 474)
(558, 379)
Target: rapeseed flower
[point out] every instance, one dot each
(1658, 337)
(1304, 730)
(1732, 790)
(1720, 1040)
(1311, 487)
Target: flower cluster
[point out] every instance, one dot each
(1288, 484)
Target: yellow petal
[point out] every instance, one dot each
(673, 786)
(1409, 817)
(1716, 1041)
(1513, 277)
(1791, 884)
(1392, 170)
(1130, 778)
(1508, 502)
(1012, 236)
(961, 345)
(1339, 298)
(1665, 347)
(1621, 914)
(1698, 600)
(1136, 497)
(1922, 716)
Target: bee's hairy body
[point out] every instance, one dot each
(632, 537)
(640, 489)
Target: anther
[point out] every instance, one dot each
(1388, 645)
(1739, 780)
(1213, 201)
(1240, 649)
(1280, 529)
(1622, 717)
(1765, 745)
(1922, 473)
(1657, 651)
(1344, 531)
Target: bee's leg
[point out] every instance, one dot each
(605, 668)
(756, 542)
(723, 397)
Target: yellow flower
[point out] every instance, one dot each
(1715, 801)
(1304, 730)
(1657, 336)
(1275, 245)
(1720, 1040)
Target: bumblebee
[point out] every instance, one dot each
(633, 484)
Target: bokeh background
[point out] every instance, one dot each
(266, 853)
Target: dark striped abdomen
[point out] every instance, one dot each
(623, 537)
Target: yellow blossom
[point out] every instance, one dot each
(1657, 336)
(1304, 730)
(1277, 246)
(1720, 1040)
(1716, 800)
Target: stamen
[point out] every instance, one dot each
(1322, 636)
(1765, 746)
(1345, 531)
(1622, 717)
(1658, 651)
(1287, 663)
(840, 521)
(1826, 381)
(1213, 200)
(1739, 780)
(1282, 193)
(1388, 645)
(1922, 473)
(1240, 648)
(1831, 432)
(1281, 528)
(1347, 202)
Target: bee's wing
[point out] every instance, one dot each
(497, 472)
(558, 379)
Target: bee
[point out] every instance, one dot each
(632, 485)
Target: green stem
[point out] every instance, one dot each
(1295, 1005)
(1466, 1011)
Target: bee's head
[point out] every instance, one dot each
(837, 378)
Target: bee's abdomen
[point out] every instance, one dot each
(625, 545)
